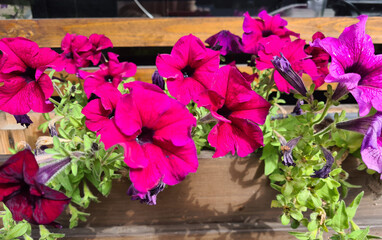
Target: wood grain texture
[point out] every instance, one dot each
(138, 32)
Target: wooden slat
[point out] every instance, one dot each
(136, 32)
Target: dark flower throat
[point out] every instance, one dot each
(29, 74)
(146, 136)
(224, 111)
(187, 71)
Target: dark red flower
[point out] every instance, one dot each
(320, 57)
(24, 195)
(225, 42)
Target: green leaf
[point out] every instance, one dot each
(300, 235)
(296, 215)
(351, 210)
(340, 220)
(270, 158)
(285, 219)
(359, 234)
(17, 231)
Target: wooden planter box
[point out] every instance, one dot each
(227, 198)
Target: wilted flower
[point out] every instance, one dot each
(158, 143)
(24, 195)
(355, 65)
(188, 69)
(371, 149)
(110, 73)
(225, 42)
(325, 170)
(238, 110)
(283, 67)
(297, 109)
(291, 51)
(24, 120)
(25, 85)
(286, 149)
(157, 79)
(258, 29)
(149, 197)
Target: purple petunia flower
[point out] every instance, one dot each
(225, 42)
(325, 170)
(371, 149)
(149, 197)
(286, 149)
(283, 66)
(355, 66)
(23, 192)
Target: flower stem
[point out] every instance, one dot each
(323, 114)
(323, 131)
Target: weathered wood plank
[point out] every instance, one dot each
(134, 32)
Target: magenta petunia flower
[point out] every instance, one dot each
(319, 56)
(371, 149)
(158, 144)
(225, 42)
(100, 115)
(25, 85)
(258, 29)
(238, 110)
(355, 66)
(293, 52)
(100, 42)
(26, 197)
(76, 51)
(189, 68)
(110, 73)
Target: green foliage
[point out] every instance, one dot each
(92, 167)
(314, 203)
